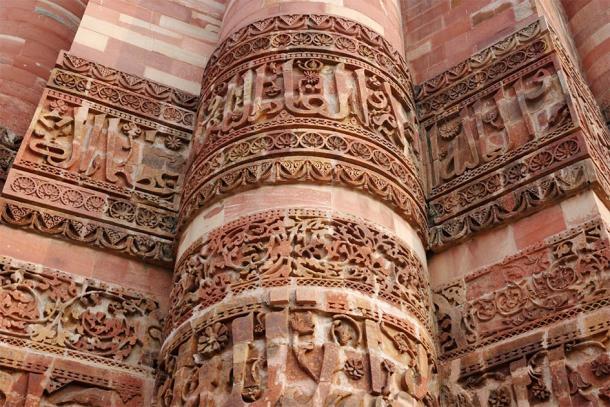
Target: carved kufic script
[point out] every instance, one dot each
(495, 123)
(324, 74)
(97, 145)
(331, 358)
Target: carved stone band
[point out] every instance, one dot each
(304, 247)
(317, 335)
(303, 99)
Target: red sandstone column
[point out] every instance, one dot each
(301, 276)
(31, 35)
(590, 26)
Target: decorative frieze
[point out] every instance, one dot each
(302, 247)
(75, 337)
(564, 276)
(513, 118)
(107, 152)
(307, 98)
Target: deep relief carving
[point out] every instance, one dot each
(505, 129)
(247, 164)
(324, 73)
(571, 373)
(515, 173)
(566, 275)
(483, 69)
(515, 204)
(325, 354)
(94, 144)
(110, 148)
(73, 340)
(87, 202)
(58, 313)
(311, 248)
(128, 82)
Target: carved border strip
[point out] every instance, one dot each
(88, 87)
(203, 152)
(65, 371)
(519, 172)
(295, 169)
(122, 213)
(494, 55)
(559, 185)
(87, 231)
(501, 356)
(233, 48)
(135, 84)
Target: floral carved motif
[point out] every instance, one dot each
(565, 275)
(505, 130)
(307, 246)
(228, 358)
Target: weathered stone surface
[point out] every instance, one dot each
(339, 235)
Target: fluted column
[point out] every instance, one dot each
(301, 272)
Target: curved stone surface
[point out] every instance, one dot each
(301, 273)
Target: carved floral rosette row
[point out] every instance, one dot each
(58, 313)
(514, 174)
(322, 32)
(516, 204)
(99, 91)
(131, 83)
(86, 231)
(306, 156)
(307, 142)
(357, 341)
(488, 66)
(307, 247)
(91, 203)
(566, 275)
